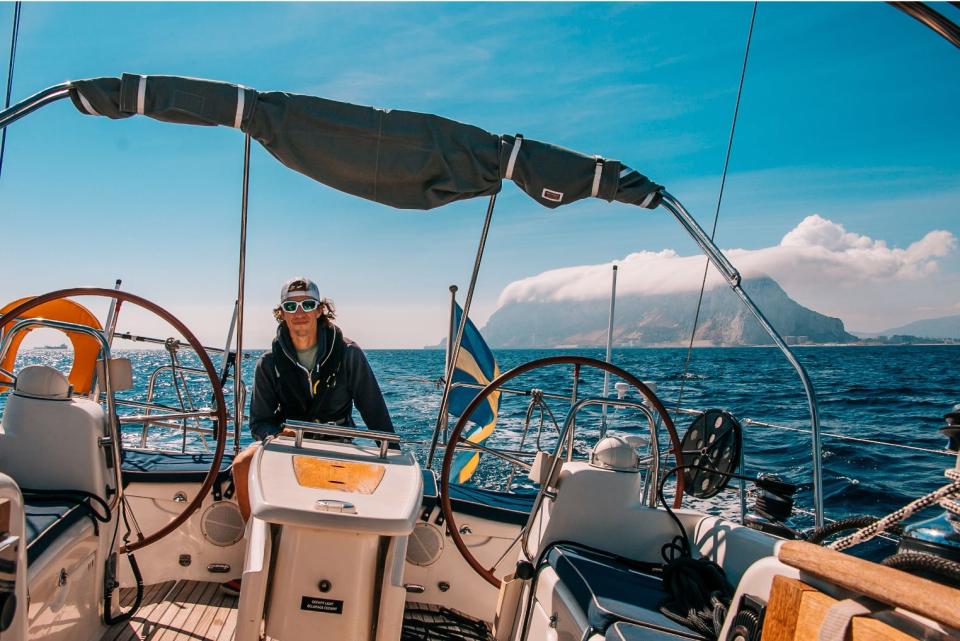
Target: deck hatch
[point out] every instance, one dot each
(343, 476)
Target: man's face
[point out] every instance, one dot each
(300, 319)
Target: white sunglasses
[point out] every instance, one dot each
(308, 305)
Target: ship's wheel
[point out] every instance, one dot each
(456, 439)
(218, 416)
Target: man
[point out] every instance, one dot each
(311, 373)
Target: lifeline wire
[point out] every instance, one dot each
(716, 215)
(13, 57)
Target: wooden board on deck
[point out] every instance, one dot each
(199, 611)
(796, 612)
(343, 476)
(182, 611)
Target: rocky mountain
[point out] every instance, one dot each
(939, 328)
(663, 320)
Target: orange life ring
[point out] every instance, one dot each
(86, 349)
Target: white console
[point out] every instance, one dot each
(327, 541)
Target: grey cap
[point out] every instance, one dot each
(299, 286)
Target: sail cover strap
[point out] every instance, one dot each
(838, 618)
(514, 152)
(597, 174)
(86, 105)
(141, 94)
(241, 99)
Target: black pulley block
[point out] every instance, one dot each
(712, 444)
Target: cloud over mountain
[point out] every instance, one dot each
(819, 263)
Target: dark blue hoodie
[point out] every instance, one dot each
(341, 376)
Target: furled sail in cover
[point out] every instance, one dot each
(476, 365)
(403, 159)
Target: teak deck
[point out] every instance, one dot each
(199, 611)
(181, 611)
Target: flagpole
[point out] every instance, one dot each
(442, 416)
(451, 330)
(606, 375)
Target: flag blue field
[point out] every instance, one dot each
(475, 364)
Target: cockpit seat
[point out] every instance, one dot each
(150, 466)
(50, 439)
(47, 520)
(611, 591)
(487, 504)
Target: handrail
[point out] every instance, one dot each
(151, 385)
(299, 427)
(734, 279)
(113, 429)
(29, 105)
(654, 472)
(563, 439)
(171, 416)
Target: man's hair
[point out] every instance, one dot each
(327, 315)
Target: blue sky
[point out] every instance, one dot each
(848, 113)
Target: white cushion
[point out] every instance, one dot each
(121, 374)
(41, 381)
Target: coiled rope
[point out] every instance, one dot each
(925, 563)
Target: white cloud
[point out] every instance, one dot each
(819, 263)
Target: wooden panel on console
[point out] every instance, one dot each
(887, 585)
(4, 515)
(796, 612)
(343, 476)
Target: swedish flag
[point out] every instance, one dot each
(475, 364)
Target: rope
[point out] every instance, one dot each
(953, 507)
(716, 214)
(699, 593)
(902, 514)
(13, 57)
(820, 534)
(113, 584)
(443, 624)
(917, 562)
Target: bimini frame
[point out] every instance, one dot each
(713, 253)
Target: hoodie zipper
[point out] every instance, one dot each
(296, 361)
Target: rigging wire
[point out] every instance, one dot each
(13, 57)
(716, 215)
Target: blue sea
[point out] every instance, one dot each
(894, 394)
